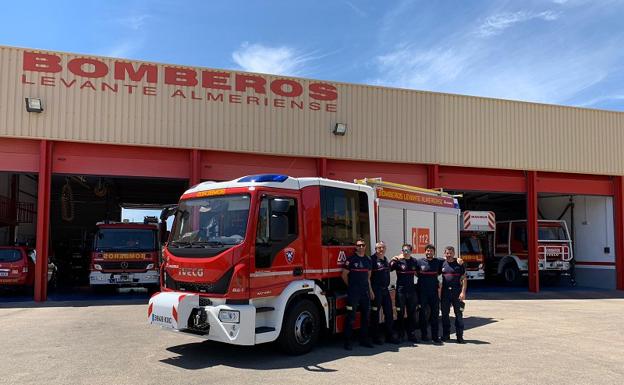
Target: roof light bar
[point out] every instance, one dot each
(263, 178)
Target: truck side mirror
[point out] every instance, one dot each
(278, 227)
(280, 206)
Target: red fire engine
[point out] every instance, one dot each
(258, 259)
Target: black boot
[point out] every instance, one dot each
(460, 339)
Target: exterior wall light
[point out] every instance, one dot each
(34, 105)
(340, 129)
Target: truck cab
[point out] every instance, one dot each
(477, 241)
(554, 249)
(125, 254)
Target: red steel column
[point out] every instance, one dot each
(618, 217)
(43, 220)
(433, 176)
(195, 176)
(532, 230)
(321, 167)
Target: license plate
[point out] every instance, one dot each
(123, 278)
(4, 273)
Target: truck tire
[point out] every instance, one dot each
(511, 274)
(301, 328)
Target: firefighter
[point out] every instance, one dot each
(406, 298)
(429, 270)
(454, 284)
(356, 274)
(380, 280)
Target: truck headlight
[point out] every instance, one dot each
(97, 267)
(150, 266)
(230, 316)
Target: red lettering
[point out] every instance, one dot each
(235, 98)
(47, 81)
(216, 80)
(178, 93)
(277, 86)
(294, 103)
(41, 62)
(314, 106)
(149, 91)
(24, 81)
(130, 87)
(147, 71)
(331, 108)
(279, 103)
(68, 85)
(180, 77)
(210, 97)
(254, 99)
(194, 97)
(250, 81)
(113, 88)
(75, 66)
(320, 91)
(88, 84)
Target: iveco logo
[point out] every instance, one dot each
(124, 265)
(190, 272)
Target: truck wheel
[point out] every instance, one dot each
(511, 274)
(301, 328)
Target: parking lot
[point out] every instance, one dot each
(570, 336)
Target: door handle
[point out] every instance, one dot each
(297, 271)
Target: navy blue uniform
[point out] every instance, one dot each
(358, 297)
(451, 288)
(406, 296)
(428, 284)
(380, 280)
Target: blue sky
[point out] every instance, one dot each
(567, 52)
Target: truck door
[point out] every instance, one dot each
(278, 256)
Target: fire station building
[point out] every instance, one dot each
(82, 136)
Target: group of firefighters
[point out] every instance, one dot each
(441, 284)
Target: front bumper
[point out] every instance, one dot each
(150, 277)
(475, 274)
(177, 311)
(554, 265)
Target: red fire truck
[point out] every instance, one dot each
(259, 259)
(554, 249)
(125, 254)
(477, 241)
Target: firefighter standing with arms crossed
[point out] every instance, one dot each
(429, 269)
(454, 284)
(356, 274)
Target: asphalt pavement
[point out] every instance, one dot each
(555, 337)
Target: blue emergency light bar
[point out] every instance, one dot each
(264, 178)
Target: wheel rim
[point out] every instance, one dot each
(304, 328)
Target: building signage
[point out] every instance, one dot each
(182, 83)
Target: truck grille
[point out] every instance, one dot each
(217, 287)
(130, 265)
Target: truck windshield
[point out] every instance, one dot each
(470, 246)
(10, 255)
(109, 239)
(551, 233)
(218, 221)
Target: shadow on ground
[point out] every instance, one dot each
(206, 354)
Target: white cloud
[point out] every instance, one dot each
(134, 22)
(273, 60)
(496, 24)
(600, 100)
(356, 9)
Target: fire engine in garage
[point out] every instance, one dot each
(125, 254)
(477, 241)
(554, 249)
(259, 259)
